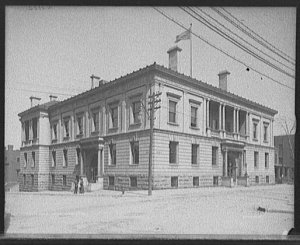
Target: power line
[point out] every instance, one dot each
(235, 42)
(256, 33)
(38, 91)
(219, 49)
(250, 35)
(244, 39)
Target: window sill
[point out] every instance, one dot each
(112, 165)
(95, 132)
(256, 140)
(134, 165)
(214, 166)
(113, 129)
(173, 124)
(194, 128)
(54, 141)
(79, 136)
(265, 141)
(173, 164)
(66, 137)
(135, 124)
(195, 164)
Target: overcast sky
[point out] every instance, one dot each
(54, 50)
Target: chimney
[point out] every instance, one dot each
(101, 82)
(92, 79)
(223, 79)
(52, 97)
(173, 57)
(31, 101)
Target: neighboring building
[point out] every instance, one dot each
(203, 135)
(12, 165)
(284, 158)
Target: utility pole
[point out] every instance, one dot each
(154, 99)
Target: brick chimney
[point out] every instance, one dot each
(223, 79)
(34, 101)
(52, 97)
(173, 57)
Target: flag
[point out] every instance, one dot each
(183, 36)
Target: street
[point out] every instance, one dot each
(215, 210)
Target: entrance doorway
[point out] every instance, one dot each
(92, 169)
(234, 164)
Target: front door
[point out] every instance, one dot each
(93, 169)
(234, 167)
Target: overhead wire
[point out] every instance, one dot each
(250, 35)
(264, 40)
(219, 49)
(234, 41)
(244, 39)
(39, 91)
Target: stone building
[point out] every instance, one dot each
(203, 135)
(12, 165)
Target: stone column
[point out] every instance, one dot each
(237, 123)
(220, 119)
(225, 162)
(83, 158)
(204, 116)
(234, 121)
(99, 174)
(208, 117)
(224, 120)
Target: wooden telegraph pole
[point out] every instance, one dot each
(154, 99)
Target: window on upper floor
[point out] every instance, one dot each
(256, 159)
(53, 158)
(172, 111)
(266, 126)
(194, 116)
(34, 128)
(33, 159)
(173, 149)
(79, 122)
(113, 154)
(95, 122)
(195, 150)
(54, 131)
(67, 127)
(78, 156)
(255, 130)
(266, 160)
(64, 180)
(25, 160)
(136, 112)
(65, 158)
(280, 150)
(214, 155)
(113, 117)
(134, 145)
(27, 130)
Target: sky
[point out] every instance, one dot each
(55, 50)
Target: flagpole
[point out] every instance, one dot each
(191, 56)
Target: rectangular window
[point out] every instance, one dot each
(34, 128)
(79, 125)
(24, 179)
(18, 159)
(214, 155)
(267, 179)
(173, 151)
(215, 180)
(26, 130)
(111, 180)
(54, 131)
(256, 179)
(195, 181)
(114, 117)
(255, 159)
(33, 159)
(195, 148)
(174, 181)
(134, 152)
(194, 111)
(25, 160)
(113, 154)
(266, 160)
(95, 121)
(64, 180)
(67, 128)
(136, 109)
(32, 179)
(133, 181)
(52, 179)
(78, 156)
(53, 158)
(280, 150)
(65, 161)
(265, 132)
(254, 130)
(172, 111)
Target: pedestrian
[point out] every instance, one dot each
(81, 188)
(75, 186)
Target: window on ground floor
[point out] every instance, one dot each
(32, 180)
(64, 180)
(134, 145)
(173, 152)
(267, 179)
(52, 179)
(24, 179)
(133, 181)
(111, 180)
(195, 181)
(256, 159)
(174, 181)
(214, 155)
(195, 148)
(215, 180)
(65, 160)
(256, 179)
(266, 160)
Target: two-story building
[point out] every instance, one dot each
(203, 135)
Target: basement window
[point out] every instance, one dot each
(174, 181)
(195, 181)
(111, 181)
(133, 181)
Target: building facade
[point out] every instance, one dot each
(203, 135)
(284, 158)
(12, 165)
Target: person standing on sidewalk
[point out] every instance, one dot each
(81, 188)
(76, 185)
